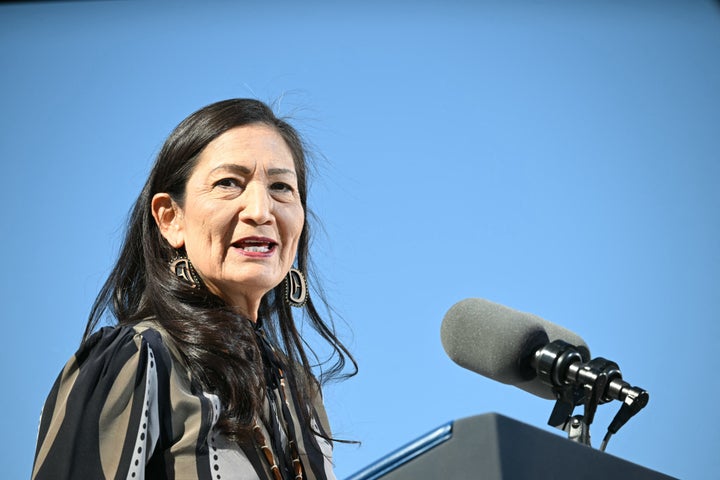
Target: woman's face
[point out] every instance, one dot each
(242, 216)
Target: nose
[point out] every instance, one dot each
(257, 204)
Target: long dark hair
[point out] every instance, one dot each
(219, 348)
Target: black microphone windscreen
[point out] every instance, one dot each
(498, 342)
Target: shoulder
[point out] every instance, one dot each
(113, 349)
(115, 339)
(110, 362)
(93, 415)
(110, 367)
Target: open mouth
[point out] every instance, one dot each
(255, 245)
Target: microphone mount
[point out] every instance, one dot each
(576, 381)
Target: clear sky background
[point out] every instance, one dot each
(558, 157)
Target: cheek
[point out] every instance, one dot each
(210, 221)
(293, 223)
(298, 224)
(207, 231)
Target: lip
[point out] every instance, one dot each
(242, 244)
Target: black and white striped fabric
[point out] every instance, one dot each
(124, 407)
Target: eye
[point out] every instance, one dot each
(228, 183)
(282, 187)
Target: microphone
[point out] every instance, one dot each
(541, 358)
(500, 343)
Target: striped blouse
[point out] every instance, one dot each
(125, 407)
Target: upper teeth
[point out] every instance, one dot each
(256, 248)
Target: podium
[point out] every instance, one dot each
(495, 447)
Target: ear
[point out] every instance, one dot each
(169, 218)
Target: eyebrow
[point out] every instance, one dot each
(243, 170)
(281, 171)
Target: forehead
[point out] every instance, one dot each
(249, 145)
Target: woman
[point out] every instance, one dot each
(205, 375)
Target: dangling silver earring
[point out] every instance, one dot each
(182, 267)
(296, 292)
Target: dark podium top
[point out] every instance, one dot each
(495, 447)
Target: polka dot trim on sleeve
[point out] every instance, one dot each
(148, 430)
(212, 437)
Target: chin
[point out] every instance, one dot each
(253, 285)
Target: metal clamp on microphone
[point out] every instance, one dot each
(561, 366)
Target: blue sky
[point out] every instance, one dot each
(557, 157)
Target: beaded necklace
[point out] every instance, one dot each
(279, 416)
